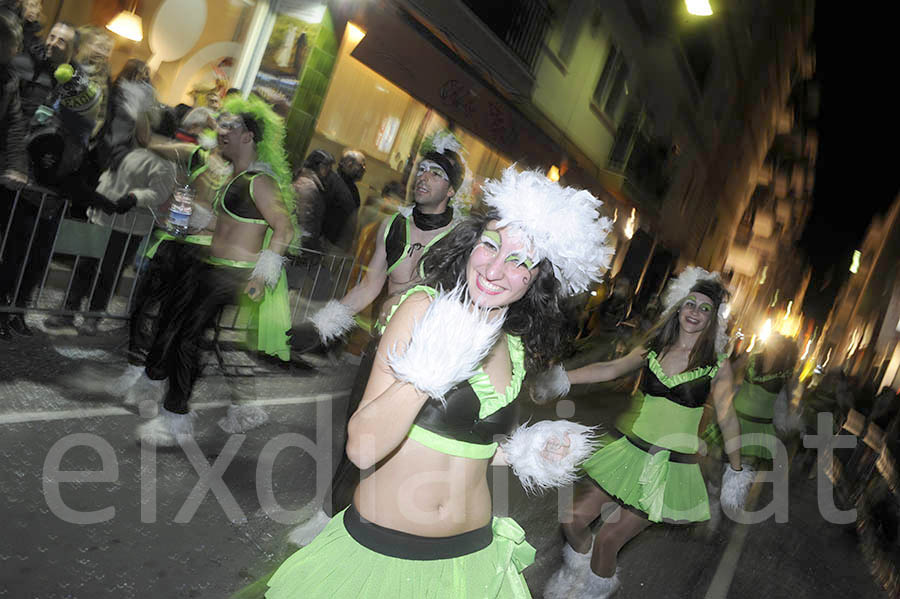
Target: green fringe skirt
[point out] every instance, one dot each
(654, 485)
(393, 564)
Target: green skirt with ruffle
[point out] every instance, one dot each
(336, 566)
(650, 484)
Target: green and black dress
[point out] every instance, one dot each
(650, 466)
(353, 557)
(755, 407)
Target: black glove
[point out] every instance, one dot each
(305, 338)
(100, 201)
(126, 203)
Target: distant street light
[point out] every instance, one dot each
(854, 265)
(700, 8)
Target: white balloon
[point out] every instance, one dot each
(176, 28)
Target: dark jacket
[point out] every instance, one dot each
(341, 204)
(12, 124)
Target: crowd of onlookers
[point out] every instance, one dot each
(68, 131)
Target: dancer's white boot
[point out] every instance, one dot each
(569, 581)
(168, 429)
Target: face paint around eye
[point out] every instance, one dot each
(430, 166)
(706, 307)
(491, 238)
(520, 261)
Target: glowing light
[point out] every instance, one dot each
(790, 305)
(553, 173)
(616, 219)
(854, 342)
(128, 25)
(827, 358)
(806, 351)
(354, 33)
(699, 8)
(629, 226)
(762, 277)
(752, 344)
(854, 264)
(594, 293)
(766, 330)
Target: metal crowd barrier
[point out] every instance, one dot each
(45, 240)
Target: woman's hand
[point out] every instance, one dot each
(255, 288)
(555, 449)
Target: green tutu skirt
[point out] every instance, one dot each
(337, 566)
(758, 439)
(652, 485)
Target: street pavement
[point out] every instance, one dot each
(211, 520)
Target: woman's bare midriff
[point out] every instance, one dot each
(446, 495)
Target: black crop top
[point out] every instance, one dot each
(459, 419)
(690, 393)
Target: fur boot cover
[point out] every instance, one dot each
(145, 388)
(569, 580)
(549, 385)
(735, 487)
(167, 429)
(785, 419)
(268, 268)
(447, 346)
(332, 320)
(530, 451)
(303, 534)
(598, 587)
(242, 418)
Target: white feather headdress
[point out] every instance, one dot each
(680, 287)
(561, 223)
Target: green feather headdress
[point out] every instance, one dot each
(269, 149)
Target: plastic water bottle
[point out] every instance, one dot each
(180, 210)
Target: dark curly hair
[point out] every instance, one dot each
(541, 318)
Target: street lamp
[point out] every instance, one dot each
(700, 8)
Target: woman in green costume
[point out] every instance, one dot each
(441, 390)
(762, 402)
(649, 467)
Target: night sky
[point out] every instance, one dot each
(857, 171)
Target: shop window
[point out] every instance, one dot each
(195, 44)
(366, 111)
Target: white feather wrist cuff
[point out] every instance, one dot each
(785, 419)
(448, 344)
(550, 384)
(332, 320)
(268, 267)
(547, 453)
(735, 487)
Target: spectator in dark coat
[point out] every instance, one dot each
(12, 125)
(342, 201)
(309, 187)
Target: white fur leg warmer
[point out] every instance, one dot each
(545, 454)
(549, 385)
(268, 267)
(785, 419)
(447, 346)
(569, 580)
(598, 587)
(303, 534)
(735, 487)
(332, 320)
(241, 418)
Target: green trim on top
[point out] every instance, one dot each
(431, 291)
(681, 377)
(405, 243)
(490, 400)
(753, 378)
(454, 447)
(202, 168)
(220, 200)
(428, 245)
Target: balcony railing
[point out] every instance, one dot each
(522, 29)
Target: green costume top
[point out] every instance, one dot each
(473, 411)
(396, 241)
(755, 400)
